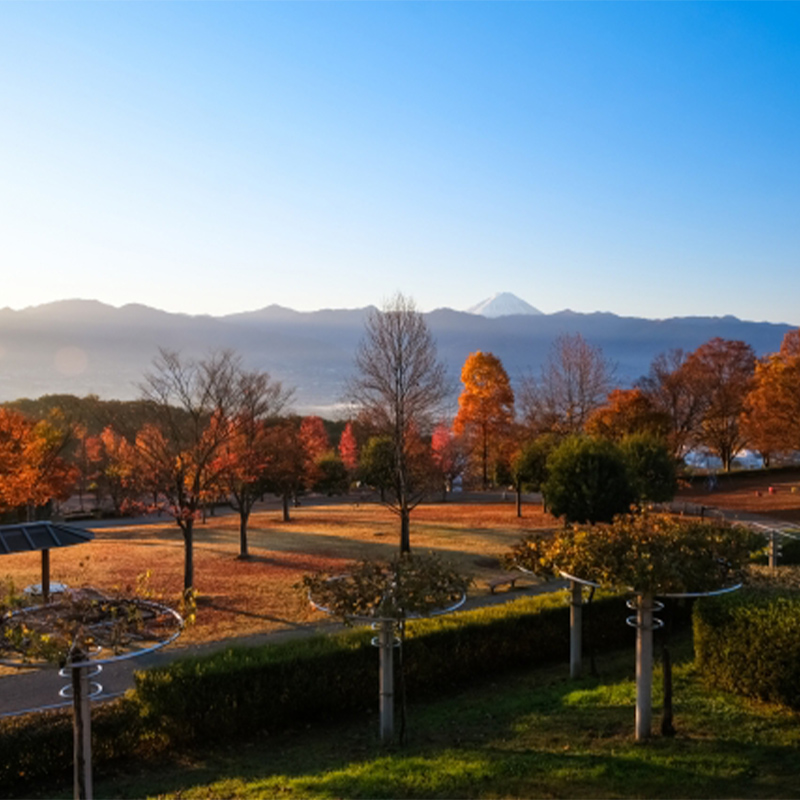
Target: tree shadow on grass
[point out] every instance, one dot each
(532, 734)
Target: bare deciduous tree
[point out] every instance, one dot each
(400, 385)
(575, 381)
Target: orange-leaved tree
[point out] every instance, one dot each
(723, 370)
(193, 403)
(448, 456)
(286, 470)
(348, 448)
(117, 476)
(771, 418)
(246, 456)
(627, 412)
(315, 443)
(485, 412)
(32, 469)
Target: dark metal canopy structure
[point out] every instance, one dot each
(27, 537)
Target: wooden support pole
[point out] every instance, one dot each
(644, 666)
(386, 645)
(575, 630)
(82, 731)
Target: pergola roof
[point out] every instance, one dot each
(30, 536)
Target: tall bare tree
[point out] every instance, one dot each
(400, 385)
(574, 381)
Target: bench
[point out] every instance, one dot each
(502, 580)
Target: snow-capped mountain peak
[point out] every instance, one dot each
(503, 304)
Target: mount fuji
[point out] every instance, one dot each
(503, 304)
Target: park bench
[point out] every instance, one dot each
(506, 579)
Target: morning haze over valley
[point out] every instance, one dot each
(88, 347)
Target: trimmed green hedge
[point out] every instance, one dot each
(241, 691)
(748, 642)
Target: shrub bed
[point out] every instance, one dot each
(748, 642)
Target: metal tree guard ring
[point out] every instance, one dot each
(67, 691)
(633, 604)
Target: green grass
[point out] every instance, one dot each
(528, 735)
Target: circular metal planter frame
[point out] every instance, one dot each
(90, 662)
(82, 689)
(386, 641)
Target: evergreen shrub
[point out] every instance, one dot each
(748, 642)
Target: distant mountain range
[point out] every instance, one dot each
(83, 346)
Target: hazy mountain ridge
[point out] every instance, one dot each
(83, 347)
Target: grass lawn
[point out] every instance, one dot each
(526, 735)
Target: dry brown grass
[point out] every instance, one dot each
(752, 494)
(238, 598)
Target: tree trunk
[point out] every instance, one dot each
(285, 499)
(188, 554)
(243, 517)
(45, 576)
(519, 498)
(405, 534)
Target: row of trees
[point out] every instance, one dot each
(719, 397)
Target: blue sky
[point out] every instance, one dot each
(639, 158)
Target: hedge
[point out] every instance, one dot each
(748, 642)
(238, 692)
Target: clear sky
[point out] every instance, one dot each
(639, 158)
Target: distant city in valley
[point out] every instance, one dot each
(86, 347)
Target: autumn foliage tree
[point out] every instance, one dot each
(627, 412)
(116, 476)
(673, 391)
(245, 456)
(485, 412)
(723, 371)
(32, 469)
(285, 473)
(448, 455)
(193, 404)
(315, 443)
(771, 416)
(348, 448)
